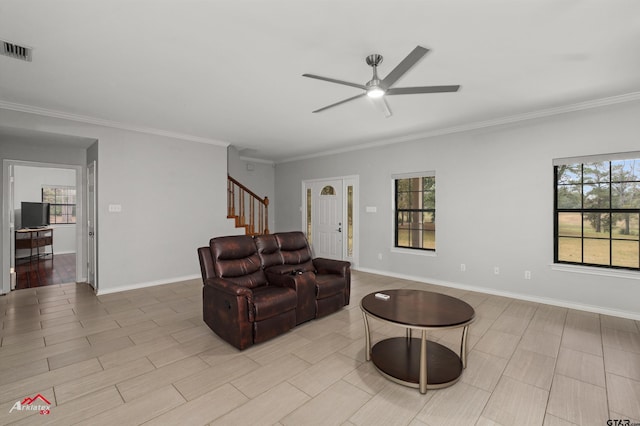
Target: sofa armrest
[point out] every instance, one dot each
(227, 287)
(290, 279)
(280, 270)
(330, 266)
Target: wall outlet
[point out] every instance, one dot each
(463, 267)
(115, 208)
(379, 256)
(527, 275)
(496, 270)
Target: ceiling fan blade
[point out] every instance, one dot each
(333, 80)
(404, 66)
(341, 102)
(423, 89)
(382, 106)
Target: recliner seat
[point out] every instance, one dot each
(257, 288)
(332, 277)
(239, 305)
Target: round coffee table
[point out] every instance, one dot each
(417, 362)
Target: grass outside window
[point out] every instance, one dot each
(597, 213)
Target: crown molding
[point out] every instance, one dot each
(107, 123)
(596, 103)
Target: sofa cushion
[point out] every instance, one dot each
(236, 259)
(233, 247)
(270, 301)
(268, 250)
(328, 285)
(254, 280)
(295, 250)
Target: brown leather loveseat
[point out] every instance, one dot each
(257, 288)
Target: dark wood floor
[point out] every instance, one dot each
(48, 270)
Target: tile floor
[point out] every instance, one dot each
(145, 357)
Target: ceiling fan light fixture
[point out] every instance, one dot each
(374, 87)
(375, 92)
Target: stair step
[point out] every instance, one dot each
(247, 228)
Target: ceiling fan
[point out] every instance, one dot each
(377, 89)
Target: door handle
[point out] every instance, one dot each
(340, 229)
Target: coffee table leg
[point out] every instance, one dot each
(463, 346)
(423, 362)
(367, 338)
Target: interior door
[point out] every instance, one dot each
(328, 212)
(91, 226)
(12, 232)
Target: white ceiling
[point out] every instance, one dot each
(231, 70)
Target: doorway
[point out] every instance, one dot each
(24, 182)
(330, 217)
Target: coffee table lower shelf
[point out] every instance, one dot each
(398, 359)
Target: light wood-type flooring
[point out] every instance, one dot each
(145, 357)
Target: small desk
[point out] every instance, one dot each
(34, 239)
(417, 362)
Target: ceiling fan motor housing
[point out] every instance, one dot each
(374, 60)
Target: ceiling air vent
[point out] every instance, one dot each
(15, 51)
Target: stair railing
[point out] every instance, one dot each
(241, 206)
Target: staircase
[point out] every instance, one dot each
(249, 210)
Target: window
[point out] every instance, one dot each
(597, 211)
(309, 229)
(349, 220)
(328, 190)
(415, 211)
(62, 200)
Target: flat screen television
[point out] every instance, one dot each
(35, 215)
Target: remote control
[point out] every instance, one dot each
(382, 296)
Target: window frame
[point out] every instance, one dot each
(422, 210)
(53, 205)
(583, 211)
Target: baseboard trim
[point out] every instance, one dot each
(519, 296)
(136, 286)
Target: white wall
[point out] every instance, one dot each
(28, 187)
(173, 198)
(172, 193)
(494, 205)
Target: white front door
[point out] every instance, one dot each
(328, 209)
(330, 217)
